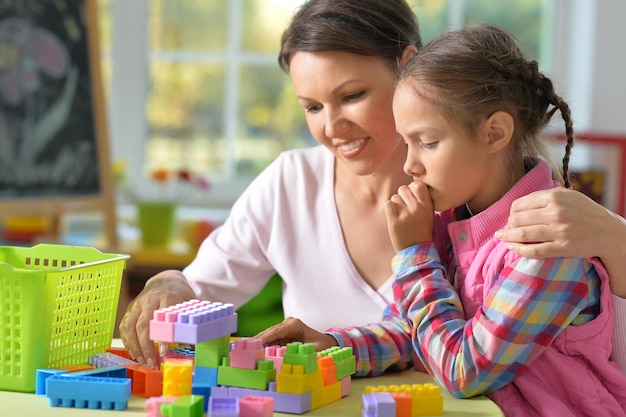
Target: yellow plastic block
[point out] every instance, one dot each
(325, 395)
(427, 400)
(293, 380)
(177, 377)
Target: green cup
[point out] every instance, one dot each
(156, 222)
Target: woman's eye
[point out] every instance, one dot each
(354, 96)
(312, 109)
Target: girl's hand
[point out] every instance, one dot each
(294, 330)
(163, 290)
(410, 216)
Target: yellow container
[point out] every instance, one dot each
(57, 307)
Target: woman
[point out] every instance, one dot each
(315, 216)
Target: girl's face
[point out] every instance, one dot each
(347, 100)
(456, 168)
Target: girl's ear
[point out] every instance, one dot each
(408, 52)
(498, 129)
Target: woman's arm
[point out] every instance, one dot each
(565, 223)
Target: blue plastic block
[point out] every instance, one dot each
(205, 376)
(41, 377)
(88, 392)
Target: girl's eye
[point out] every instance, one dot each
(428, 145)
(354, 96)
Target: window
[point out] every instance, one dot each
(195, 84)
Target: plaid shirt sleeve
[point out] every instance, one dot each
(531, 302)
(378, 347)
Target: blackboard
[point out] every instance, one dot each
(53, 140)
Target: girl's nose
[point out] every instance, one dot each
(412, 166)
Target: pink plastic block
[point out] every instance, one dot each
(153, 405)
(251, 406)
(275, 354)
(346, 386)
(246, 353)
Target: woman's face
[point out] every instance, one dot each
(347, 99)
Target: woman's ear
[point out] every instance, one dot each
(498, 129)
(408, 52)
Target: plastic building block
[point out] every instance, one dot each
(205, 376)
(102, 360)
(378, 404)
(426, 398)
(301, 354)
(223, 407)
(325, 395)
(293, 380)
(275, 354)
(146, 382)
(250, 406)
(185, 406)
(120, 352)
(283, 403)
(211, 353)
(153, 405)
(327, 365)
(247, 378)
(41, 377)
(245, 353)
(344, 360)
(193, 322)
(77, 367)
(177, 377)
(88, 392)
(346, 386)
(404, 404)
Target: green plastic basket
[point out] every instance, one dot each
(57, 307)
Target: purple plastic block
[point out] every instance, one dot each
(378, 404)
(107, 359)
(223, 407)
(222, 392)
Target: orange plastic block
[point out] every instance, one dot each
(77, 367)
(177, 377)
(329, 370)
(146, 383)
(404, 404)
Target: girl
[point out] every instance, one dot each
(533, 334)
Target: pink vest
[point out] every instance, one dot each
(574, 376)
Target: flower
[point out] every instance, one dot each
(166, 185)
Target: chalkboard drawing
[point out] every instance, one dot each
(44, 149)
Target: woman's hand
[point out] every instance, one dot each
(410, 216)
(163, 290)
(565, 223)
(294, 330)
